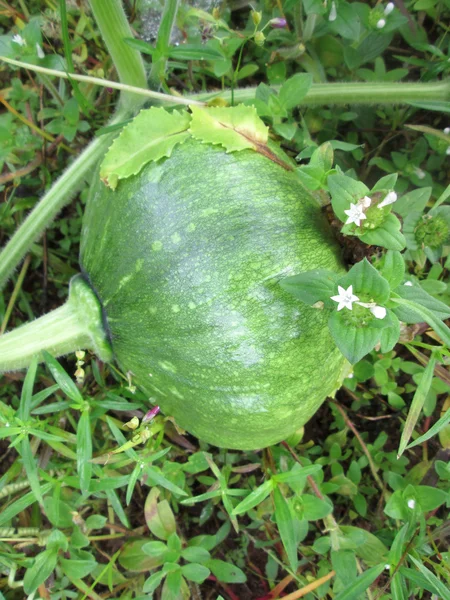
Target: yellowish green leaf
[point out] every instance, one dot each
(152, 135)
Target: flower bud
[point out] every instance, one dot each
(256, 17)
(278, 23)
(259, 38)
(389, 8)
(333, 12)
(381, 23)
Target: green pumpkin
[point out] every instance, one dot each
(186, 258)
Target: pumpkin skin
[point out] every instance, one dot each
(186, 259)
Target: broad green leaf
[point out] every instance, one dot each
(294, 90)
(195, 554)
(442, 590)
(226, 572)
(312, 286)
(66, 384)
(157, 478)
(77, 569)
(353, 342)
(361, 584)
(412, 202)
(254, 498)
(387, 235)
(315, 508)
(424, 315)
(26, 396)
(345, 191)
(195, 572)
(344, 563)
(159, 516)
(284, 520)
(386, 183)
(151, 135)
(367, 280)
(415, 293)
(133, 558)
(434, 430)
(84, 451)
(42, 568)
(153, 582)
(193, 52)
(234, 128)
(155, 549)
(366, 545)
(29, 463)
(419, 580)
(393, 268)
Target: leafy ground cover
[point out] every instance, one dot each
(102, 498)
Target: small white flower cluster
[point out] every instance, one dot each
(387, 11)
(18, 39)
(356, 211)
(346, 298)
(447, 132)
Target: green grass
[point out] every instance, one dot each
(97, 502)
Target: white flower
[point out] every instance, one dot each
(411, 504)
(420, 174)
(39, 51)
(345, 298)
(379, 312)
(447, 131)
(355, 214)
(365, 202)
(333, 12)
(18, 39)
(409, 283)
(389, 8)
(381, 23)
(390, 199)
(447, 152)
(387, 567)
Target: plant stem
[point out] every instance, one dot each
(167, 23)
(58, 196)
(124, 88)
(321, 94)
(114, 27)
(76, 325)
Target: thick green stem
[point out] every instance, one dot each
(74, 326)
(321, 94)
(49, 206)
(114, 27)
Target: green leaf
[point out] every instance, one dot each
(254, 498)
(345, 191)
(414, 201)
(195, 572)
(434, 430)
(152, 135)
(366, 545)
(26, 396)
(76, 568)
(195, 554)
(284, 521)
(193, 52)
(391, 334)
(29, 463)
(157, 478)
(417, 404)
(428, 316)
(361, 584)
(294, 90)
(226, 572)
(353, 342)
(393, 268)
(42, 568)
(415, 293)
(155, 549)
(387, 235)
(367, 280)
(234, 128)
(344, 563)
(66, 384)
(84, 451)
(153, 582)
(132, 558)
(312, 286)
(21, 504)
(315, 508)
(442, 589)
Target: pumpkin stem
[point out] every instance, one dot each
(74, 326)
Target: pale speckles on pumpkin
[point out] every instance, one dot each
(176, 238)
(157, 246)
(191, 227)
(192, 305)
(175, 308)
(167, 366)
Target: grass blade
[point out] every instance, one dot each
(84, 451)
(26, 397)
(417, 404)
